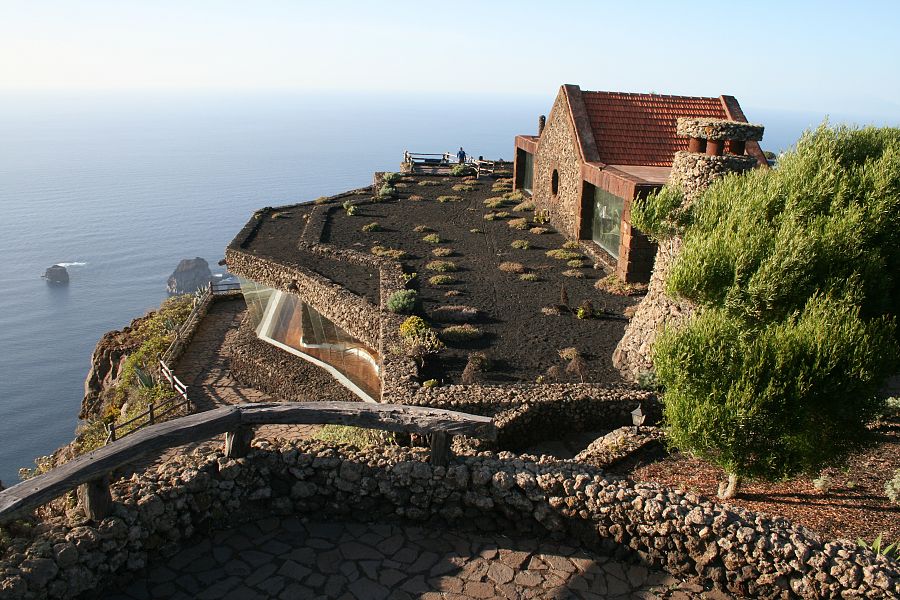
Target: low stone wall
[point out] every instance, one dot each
(745, 553)
(529, 413)
(261, 365)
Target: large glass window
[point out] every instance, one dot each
(286, 321)
(528, 178)
(606, 225)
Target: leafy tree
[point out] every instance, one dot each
(795, 272)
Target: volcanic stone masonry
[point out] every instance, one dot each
(155, 511)
(693, 172)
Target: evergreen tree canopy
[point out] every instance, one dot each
(796, 272)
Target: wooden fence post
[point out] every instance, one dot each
(237, 442)
(95, 498)
(151, 413)
(440, 448)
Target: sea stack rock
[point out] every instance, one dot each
(57, 274)
(190, 275)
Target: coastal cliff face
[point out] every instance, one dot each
(107, 361)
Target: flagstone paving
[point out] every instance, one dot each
(288, 558)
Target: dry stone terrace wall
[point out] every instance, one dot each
(156, 511)
(559, 150)
(526, 413)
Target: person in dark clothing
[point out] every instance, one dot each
(461, 155)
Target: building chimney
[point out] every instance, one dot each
(542, 120)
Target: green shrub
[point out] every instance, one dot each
(442, 266)
(442, 280)
(461, 333)
(562, 254)
(574, 273)
(520, 244)
(371, 227)
(520, 224)
(444, 199)
(514, 196)
(529, 277)
(571, 245)
(432, 238)
(388, 252)
(390, 178)
(512, 267)
(892, 488)
(461, 170)
(494, 202)
(463, 187)
(403, 301)
(524, 206)
(429, 183)
(386, 191)
(430, 383)
(442, 252)
(575, 264)
(794, 272)
(349, 208)
(414, 326)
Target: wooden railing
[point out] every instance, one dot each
(424, 159)
(92, 471)
(179, 398)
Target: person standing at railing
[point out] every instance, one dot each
(461, 155)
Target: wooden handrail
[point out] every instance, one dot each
(93, 469)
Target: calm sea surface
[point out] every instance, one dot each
(120, 188)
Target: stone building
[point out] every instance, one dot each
(599, 151)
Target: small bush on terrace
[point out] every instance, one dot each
(512, 267)
(574, 274)
(520, 224)
(461, 170)
(794, 270)
(403, 301)
(520, 244)
(538, 230)
(388, 252)
(420, 340)
(415, 198)
(429, 183)
(463, 187)
(413, 326)
(442, 280)
(494, 202)
(442, 252)
(461, 333)
(514, 196)
(524, 206)
(371, 227)
(390, 178)
(423, 229)
(443, 199)
(442, 266)
(561, 254)
(531, 277)
(386, 191)
(432, 238)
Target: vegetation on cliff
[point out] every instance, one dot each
(795, 273)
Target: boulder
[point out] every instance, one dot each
(190, 275)
(56, 274)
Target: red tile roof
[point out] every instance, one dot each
(639, 129)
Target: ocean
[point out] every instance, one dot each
(120, 187)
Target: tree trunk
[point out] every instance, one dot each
(729, 489)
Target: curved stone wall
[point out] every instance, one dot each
(745, 553)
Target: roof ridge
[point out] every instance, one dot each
(649, 95)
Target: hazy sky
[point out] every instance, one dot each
(837, 57)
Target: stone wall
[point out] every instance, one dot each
(693, 173)
(155, 512)
(559, 151)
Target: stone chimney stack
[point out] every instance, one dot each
(542, 121)
(715, 147)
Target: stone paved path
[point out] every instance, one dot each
(287, 558)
